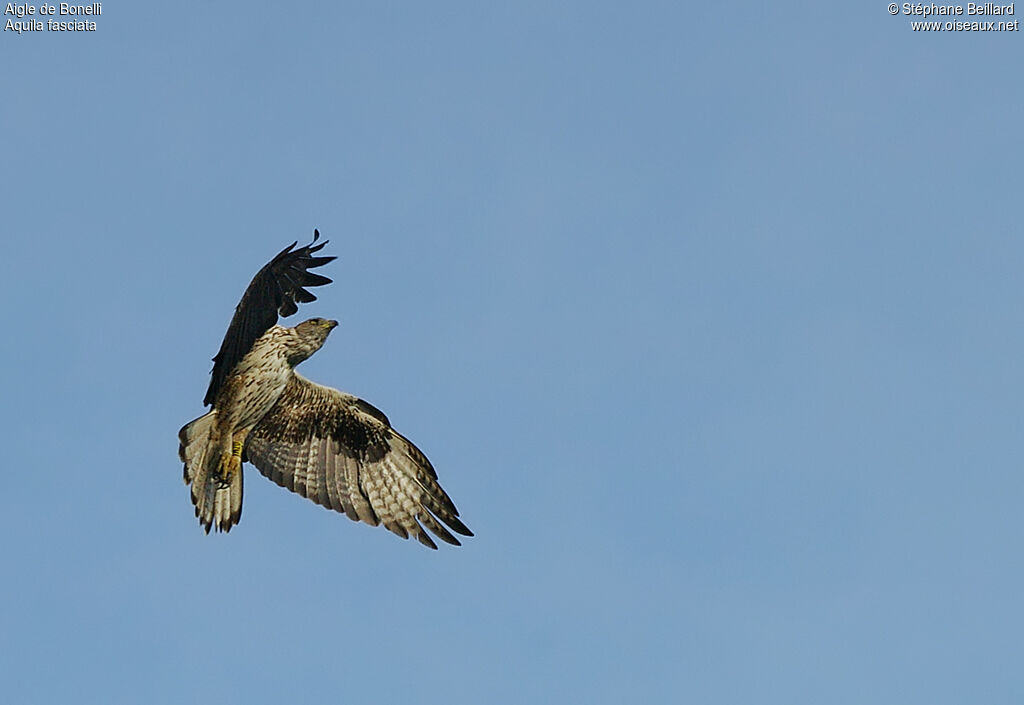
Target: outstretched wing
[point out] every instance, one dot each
(278, 288)
(342, 453)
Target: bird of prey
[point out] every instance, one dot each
(326, 445)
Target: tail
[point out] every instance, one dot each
(213, 471)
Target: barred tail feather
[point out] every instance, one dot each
(193, 444)
(215, 477)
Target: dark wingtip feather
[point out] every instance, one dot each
(425, 540)
(428, 520)
(285, 251)
(314, 279)
(313, 247)
(458, 526)
(288, 308)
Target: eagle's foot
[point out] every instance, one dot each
(230, 463)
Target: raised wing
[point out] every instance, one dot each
(276, 289)
(342, 453)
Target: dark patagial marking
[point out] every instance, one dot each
(309, 415)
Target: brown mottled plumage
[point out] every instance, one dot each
(331, 447)
(213, 461)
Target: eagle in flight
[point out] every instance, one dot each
(326, 445)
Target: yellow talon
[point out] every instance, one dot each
(236, 449)
(224, 471)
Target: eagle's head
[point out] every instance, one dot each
(308, 337)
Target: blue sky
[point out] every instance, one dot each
(710, 319)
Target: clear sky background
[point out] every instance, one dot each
(709, 317)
